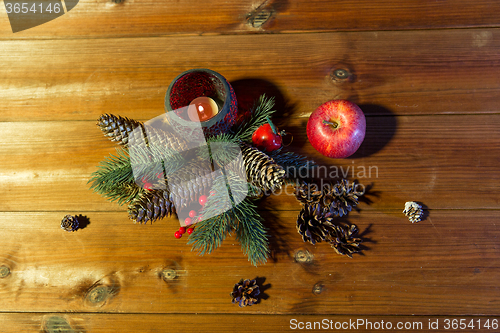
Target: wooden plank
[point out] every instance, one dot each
(442, 161)
(104, 18)
(407, 72)
(110, 323)
(445, 265)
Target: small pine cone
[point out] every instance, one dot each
(344, 241)
(151, 206)
(69, 223)
(117, 128)
(308, 193)
(339, 199)
(314, 224)
(261, 169)
(342, 197)
(413, 211)
(245, 293)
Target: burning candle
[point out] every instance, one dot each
(202, 109)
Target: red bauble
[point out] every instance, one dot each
(267, 137)
(190, 231)
(182, 230)
(178, 234)
(202, 200)
(192, 213)
(337, 128)
(187, 221)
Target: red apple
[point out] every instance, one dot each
(337, 128)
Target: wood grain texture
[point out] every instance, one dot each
(131, 18)
(110, 323)
(426, 74)
(447, 264)
(406, 72)
(47, 165)
(79, 322)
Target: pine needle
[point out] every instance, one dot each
(262, 109)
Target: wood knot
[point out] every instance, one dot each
(168, 274)
(317, 288)
(99, 294)
(303, 257)
(4, 271)
(56, 324)
(342, 75)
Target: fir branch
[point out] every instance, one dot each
(238, 213)
(114, 178)
(262, 109)
(296, 166)
(221, 149)
(251, 233)
(153, 159)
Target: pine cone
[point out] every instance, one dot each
(117, 128)
(308, 193)
(314, 224)
(245, 292)
(69, 223)
(339, 199)
(344, 241)
(187, 184)
(120, 129)
(413, 211)
(151, 206)
(261, 169)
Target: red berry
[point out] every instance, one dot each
(182, 230)
(192, 213)
(178, 234)
(202, 200)
(187, 221)
(190, 231)
(148, 186)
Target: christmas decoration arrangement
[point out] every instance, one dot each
(213, 187)
(413, 211)
(245, 293)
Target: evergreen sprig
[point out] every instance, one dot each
(114, 178)
(251, 233)
(222, 149)
(296, 166)
(260, 112)
(238, 214)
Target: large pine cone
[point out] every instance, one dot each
(151, 206)
(344, 240)
(121, 129)
(189, 183)
(245, 292)
(314, 224)
(261, 169)
(117, 128)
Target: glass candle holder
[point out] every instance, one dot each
(201, 97)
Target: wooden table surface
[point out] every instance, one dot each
(427, 76)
